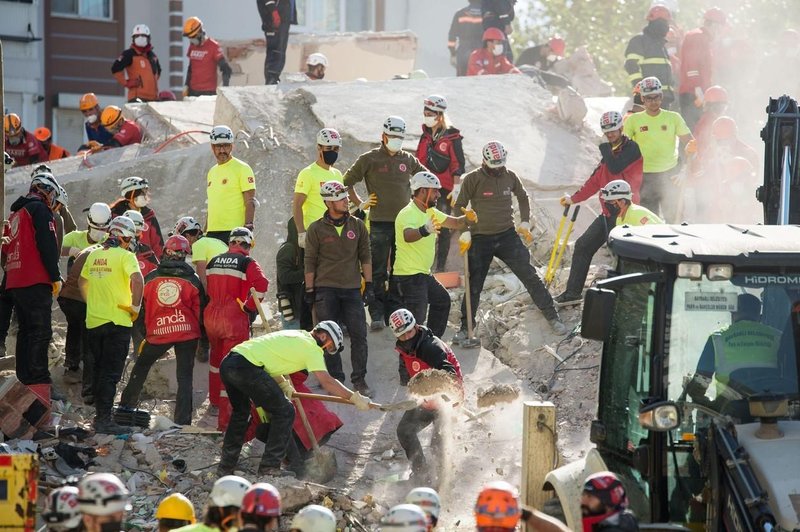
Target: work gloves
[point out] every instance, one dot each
(286, 387)
(524, 230)
(309, 297)
(565, 200)
(369, 294)
(432, 226)
(369, 202)
(361, 402)
(56, 288)
(132, 310)
(464, 242)
(301, 239)
(470, 215)
(453, 196)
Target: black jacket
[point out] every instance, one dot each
(619, 522)
(291, 275)
(647, 56)
(284, 7)
(497, 13)
(428, 348)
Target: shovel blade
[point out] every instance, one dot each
(321, 467)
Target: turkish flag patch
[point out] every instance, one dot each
(664, 127)
(643, 129)
(251, 179)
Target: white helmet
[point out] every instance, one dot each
(427, 499)
(332, 191)
(317, 58)
(334, 331)
(424, 180)
(404, 518)
(394, 125)
(102, 494)
(494, 154)
(61, 509)
(610, 121)
(130, 184)
(228, 491)
(329, 137)
(650, 85)
(141, 29)
(62, 197)
(401, 321)
(122, 226)
(99, 215)
(136, 217)
(435, 103)
(221, 135)
(186, 223)
(241, 234)
(45, 183)
(8, 161)
(314, 518)
(617, 189)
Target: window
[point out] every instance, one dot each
(83, 8)
(335, 15)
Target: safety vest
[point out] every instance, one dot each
(744, 345)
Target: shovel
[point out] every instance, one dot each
(470, 341)
(260, 309)
(402, 405)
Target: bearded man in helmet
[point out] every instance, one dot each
(254, 370)
(205, 56)
(96, 135)
(137, 68)
(175, 511)
(222, 509)
(103, 500)
(172, 310)
(490, 59)
(21, 144)
(617, 197)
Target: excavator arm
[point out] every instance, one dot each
(780, 193)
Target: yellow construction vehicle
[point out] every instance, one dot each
(19, 474)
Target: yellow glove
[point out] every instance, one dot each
(370, 202)
(470, 215)
(524, 230)
(464, 242)
(433, 226)
(691, 147)
(133, 310)
(565, 200)
(453, 196)
(56, 288)
(361, 402)
(185, 92)
(241, 304)
(287, 388)
(94, 146)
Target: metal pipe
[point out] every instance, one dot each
(786, 183)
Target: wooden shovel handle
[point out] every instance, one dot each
(329, 398)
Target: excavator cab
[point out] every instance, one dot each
(780, 193)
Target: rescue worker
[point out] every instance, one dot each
(405, 518)
(222, 509)
(135, 195)
(137, 68)
(174, 511)
(419, 349)
(33, 279)
(544, 56)
(76, 348)
(490, 58)
(249, 373)
(276, 16)
(490, 189)
(313, 518)
(123, 132)
(54, 151)
(307, 204)
(111, 284)
(620, 158)
(646, 55)
(386, 171)
(604, 505)
(617, 197)
(61, 512)
(497, 508)
(429, 502)
(231, 190)
(227, 317)
(715, 102)
(337, 253)
(656, 131)
(466, 32)
(290, 270)
(172, 310)
(203, 248)
(415, 229)
(441, 150)
(96, 135)
(261, 508)
(20, 144)
(726, 141)
(316, 64)
(103, 501)
(144, 254)
(205, 56)
(697, 64)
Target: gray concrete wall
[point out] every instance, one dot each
(24, 62)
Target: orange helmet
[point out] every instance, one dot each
(715, 94)
(12, 125)
(497, 506)
(42, 134)
(111, 116)
(192, 27)
(88, 102)
(493, 34)
(659, 11)
(724, 128)
(557, 45)
(716, 15)
(738, 167)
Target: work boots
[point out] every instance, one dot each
(106, 425)
(362, 388)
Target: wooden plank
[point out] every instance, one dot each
(539, 450)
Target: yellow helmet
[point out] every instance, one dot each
(176, 506)
(111, 116)
(12, 124)
(192, 27)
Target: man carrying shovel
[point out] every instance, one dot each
(249, 373)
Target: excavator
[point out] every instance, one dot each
(699, 389)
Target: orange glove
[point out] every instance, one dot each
(133, 310)
(56, 288)
(470, 215)
(94, 146)
(691, 147)
(241, 304)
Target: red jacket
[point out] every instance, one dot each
(129, 133)
(28, 151)
(696, 61)
(146, 257)
(229, 276)
(31, 257)
(625, 162)
(482, 62)
(428, 352)
(172, 303)
(443, 156)
(151, 234)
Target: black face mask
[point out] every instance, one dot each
(330, 157)
(658, 27)
(407, 345)
(612, 209)
(494, 172)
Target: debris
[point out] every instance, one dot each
(431, 382)
(499, 393)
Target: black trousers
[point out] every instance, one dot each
(585, 247)
(411, 424)
(344, 305)
(689, 111)
(108, 344)
(184, 358)
(6, 311)
(417, 292)
(276, 53)
(382, 248)
(75, 312)
(32, 305)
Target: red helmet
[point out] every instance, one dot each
(557, 46)
(659, 11)
(493, 34)
(177, 246)
(497, 506)
(737, 167)
(715, 14)
(166, 96)
(608, 488)
(715, 94)
(262, 500)
(724, 128)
